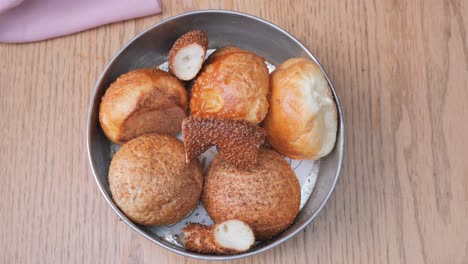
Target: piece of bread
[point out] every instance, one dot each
(187, 55)
(233, 84)
(228, 237)
(151, 182)
(267, 197)
(302, 120)
(140, 102)
(237, 141)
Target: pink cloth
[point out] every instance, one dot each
(34, 20)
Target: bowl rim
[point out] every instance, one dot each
(341, 128)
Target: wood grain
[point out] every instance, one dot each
(400, 68)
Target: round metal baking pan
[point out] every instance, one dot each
(150, 49)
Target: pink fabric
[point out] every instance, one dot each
(34, 20)
(8, 4)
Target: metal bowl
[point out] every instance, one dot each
(150, 49)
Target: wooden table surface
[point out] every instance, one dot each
(399, 67)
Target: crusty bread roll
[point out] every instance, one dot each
(187, 54)
(302, 120)
(233, 84)
(237, 141)
(267, 197)
(151, 182)
(228, 237)
(140, 102)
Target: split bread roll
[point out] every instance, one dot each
(140, 102)
(302, 119)
(187, 55)
(267, 197)
(233, 84)
(237, 141)
(228, 237)
(151, 182)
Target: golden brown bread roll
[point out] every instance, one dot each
(233, 84)
(187, 54)
(302, 120)
(140, 102)
(267, 197)
(151, 182)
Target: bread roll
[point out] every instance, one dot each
(232, 85)
(237, 141)
(140, 102)
(187, 55)
(267, 197)
(302, 120)
(228, 237)
(150, 181)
